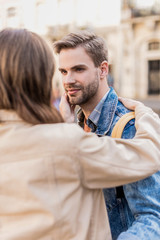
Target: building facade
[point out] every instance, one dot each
(134, 43)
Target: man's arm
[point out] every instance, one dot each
(144, 202)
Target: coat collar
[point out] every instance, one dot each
(9, 115)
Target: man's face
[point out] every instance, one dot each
(79, 75)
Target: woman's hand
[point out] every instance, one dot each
(66, 109)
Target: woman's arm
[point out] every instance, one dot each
(107, 162)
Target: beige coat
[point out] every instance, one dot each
(51, 176)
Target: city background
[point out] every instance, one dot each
(131, 29)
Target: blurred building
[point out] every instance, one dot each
(133, 43)
(134, 50)
(140, 51)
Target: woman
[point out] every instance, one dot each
(52, 173)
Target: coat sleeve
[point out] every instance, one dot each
(134, 159)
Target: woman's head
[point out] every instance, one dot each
(26, 70)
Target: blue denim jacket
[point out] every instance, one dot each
(134, 209)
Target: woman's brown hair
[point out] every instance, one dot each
(26, 71)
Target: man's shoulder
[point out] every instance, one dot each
(129, 128)
(121, 109)
(111, 112)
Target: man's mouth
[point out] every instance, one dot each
(72, 91)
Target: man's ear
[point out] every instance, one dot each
(104, 69)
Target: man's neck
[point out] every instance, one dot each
(88, 107)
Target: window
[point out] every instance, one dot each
(12, 17)
(11, 12)
(154, 77)
(154, 46)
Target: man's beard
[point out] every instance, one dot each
(85, 93)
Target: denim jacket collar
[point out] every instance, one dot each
(106, 116)
(107, 113)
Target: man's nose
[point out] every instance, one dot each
(69, 78)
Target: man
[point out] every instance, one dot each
(134, 209)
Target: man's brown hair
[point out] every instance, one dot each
(26, 70)
(94, 45)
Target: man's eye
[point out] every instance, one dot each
(79, 69)
(63, 72)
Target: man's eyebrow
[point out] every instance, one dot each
(60, 69)
(78, 66)
(74, 67)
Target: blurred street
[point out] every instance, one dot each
(153, 103)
